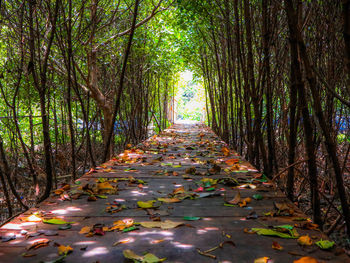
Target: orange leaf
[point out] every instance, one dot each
(305, 241)
(179, 190)
(38, 244)
(306, 260)
(225, 151)
(64, 250)
(59, 191)
(262, 260)
(85, 230)
(231, 161)
(276, 246)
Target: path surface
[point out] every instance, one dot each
(173, 166)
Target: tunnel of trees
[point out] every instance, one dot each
(79, 80)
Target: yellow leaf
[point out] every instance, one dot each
(105, 187)
(169, 200)
(306, 260)
(248, 200)
(122, 224)
(64, 250)
(147, 204)
(305, 241)
(85, 230)
(262, 260)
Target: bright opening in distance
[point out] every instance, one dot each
(189, 99)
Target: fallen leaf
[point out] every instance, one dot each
(92, 198)
(179, 190)
(147, 204)
(59, 191)
(129, 229)
(147, 258)
(236, 199)
(225, 151)
(305, 241)
(85, 230)
(231, 161)
(150, 258)
(167, 224)
(325, 244)
(105, 188)
(262, 260)
(64, 250)
(39, 244)
(276, 246)
(28, 255)
(272, 232)
(257, 197)
(169, 200)
(123, 241)
(56, 221)
(306, 260)
(129, 254)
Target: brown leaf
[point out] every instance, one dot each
(276, 246)
(236, 199)
(38, 244)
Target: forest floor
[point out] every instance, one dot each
(182, 196)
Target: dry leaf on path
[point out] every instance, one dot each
(167, 224)
(305, 241)
(306, 260)
(276, 246)
(38, 244)
(64, 250)
(262, 260)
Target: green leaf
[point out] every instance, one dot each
(230, 205)
(257, 197)
(325, 244)
(131, 255)
(150, 258)
(56, 221)
(271, 232)
(191, 218)
(102, 196)
(130, 229)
